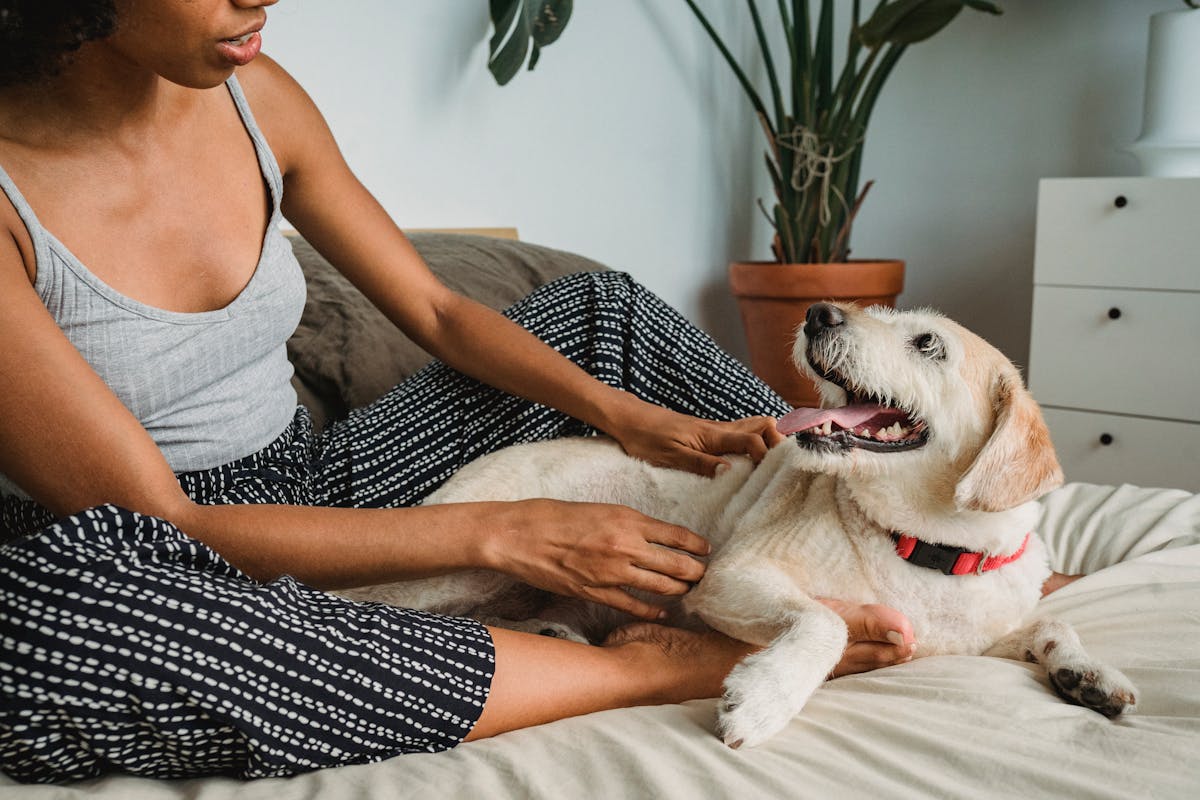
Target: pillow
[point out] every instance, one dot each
(347, 353)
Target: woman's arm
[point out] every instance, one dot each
(69, 442)
(340, 218)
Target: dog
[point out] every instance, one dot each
(912, 487)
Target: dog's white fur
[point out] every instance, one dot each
(814, 520)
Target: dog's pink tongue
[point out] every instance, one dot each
(848, 417)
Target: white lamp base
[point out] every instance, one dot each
(1170, 142)
(1167, 159)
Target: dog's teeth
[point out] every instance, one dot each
(865, 432)
(828, 427)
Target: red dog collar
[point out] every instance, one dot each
(950, 560)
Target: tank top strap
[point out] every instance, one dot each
(25, 211)
(266, 159)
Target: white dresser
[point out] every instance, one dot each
(1115, 346)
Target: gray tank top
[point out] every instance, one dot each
(209, 387)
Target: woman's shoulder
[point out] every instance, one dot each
(283, 110)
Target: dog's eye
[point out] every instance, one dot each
(929, 345)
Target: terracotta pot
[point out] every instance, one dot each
(774, 298)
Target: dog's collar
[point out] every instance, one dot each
(951, 560)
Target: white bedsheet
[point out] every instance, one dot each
(937, 727)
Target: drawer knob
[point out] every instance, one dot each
(1106, 439)
(1114, 313)
(1121, 201)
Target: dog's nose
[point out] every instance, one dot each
(821, 317)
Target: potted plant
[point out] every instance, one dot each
(815, 122)
(815, 126)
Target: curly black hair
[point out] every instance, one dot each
(38, 36)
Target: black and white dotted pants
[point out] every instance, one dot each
(126, 645)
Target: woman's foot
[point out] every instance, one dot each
(687, 664)
(1056, 581)
(878, 636)
(695, 665)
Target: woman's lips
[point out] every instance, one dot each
(240, 52)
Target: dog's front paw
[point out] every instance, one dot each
(1102, 689)
(758, 704)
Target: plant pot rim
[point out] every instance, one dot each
(858, 278)
(849, 263)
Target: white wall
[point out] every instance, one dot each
(631, 143)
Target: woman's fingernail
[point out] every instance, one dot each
(895, 637)
(662, 615)
(722, 468)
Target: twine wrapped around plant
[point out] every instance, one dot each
(816, 127)
(814, 162)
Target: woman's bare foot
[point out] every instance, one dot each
(691, 665)
(1056, 581)
(879, 636)
(695, 664)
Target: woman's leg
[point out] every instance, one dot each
(539, 679)
(397, 450)
(126, 645)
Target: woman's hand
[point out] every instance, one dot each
(596, 551)
(667, 438)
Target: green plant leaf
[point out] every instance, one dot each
(908, 21)
(519, 26)
(824, 56)
(984, 5)
(549, 20)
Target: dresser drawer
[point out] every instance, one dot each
(1145, 452)
(1141, 362)
(1124, 232)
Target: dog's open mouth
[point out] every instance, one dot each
(865, 423)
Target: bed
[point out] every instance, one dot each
(937, 727)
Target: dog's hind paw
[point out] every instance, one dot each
(1075, 675)
(1102, 689)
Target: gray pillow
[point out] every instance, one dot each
(346, 353)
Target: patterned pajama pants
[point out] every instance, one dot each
(126, 645)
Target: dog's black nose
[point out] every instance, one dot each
(820, 318)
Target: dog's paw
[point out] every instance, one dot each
(756, 706)
(1102, 689)
(557, 630)
(541, 627)
(1073, 672)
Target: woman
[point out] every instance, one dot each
(144, 378)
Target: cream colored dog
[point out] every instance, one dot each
(913, 488)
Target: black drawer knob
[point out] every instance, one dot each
(1106, 439)
(1121, 201)
(1114, 313)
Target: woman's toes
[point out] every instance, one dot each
(866, 656)
(872, 622)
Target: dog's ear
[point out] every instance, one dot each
(1017, 463)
